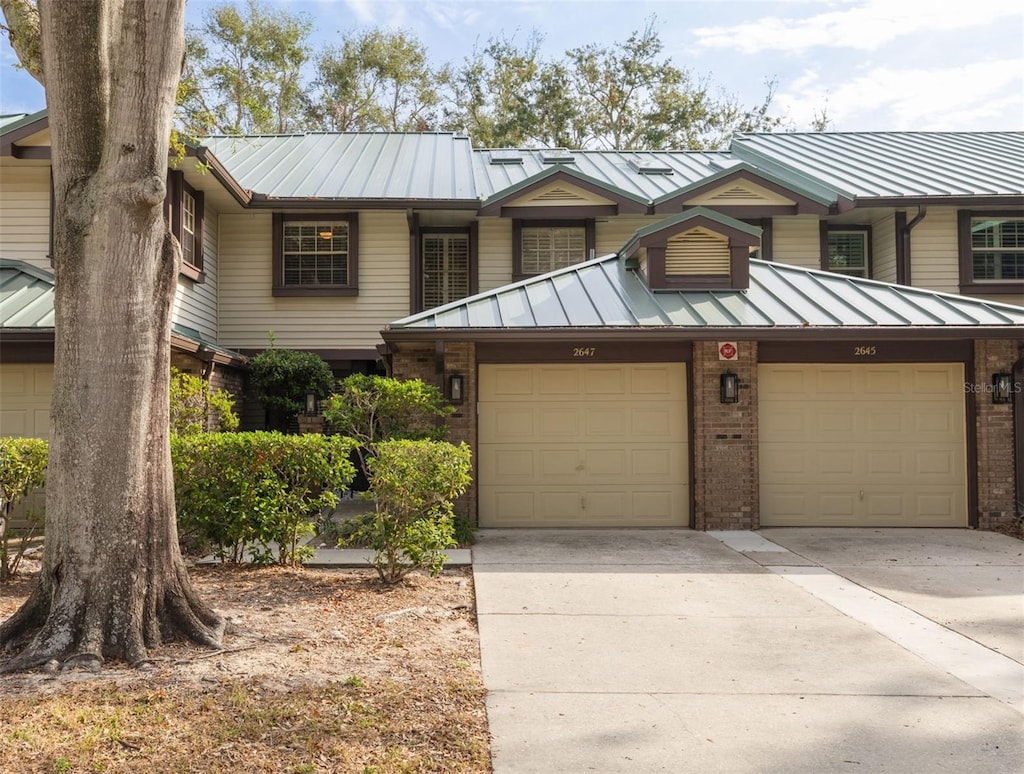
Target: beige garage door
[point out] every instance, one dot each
(583, 445)
(25, 392)
(863, 445)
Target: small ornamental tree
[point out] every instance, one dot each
(197, 407)
(22, 471)
(281, 379)
(413, 485)
(375, 408)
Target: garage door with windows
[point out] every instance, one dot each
(570, 445)
(863, 445)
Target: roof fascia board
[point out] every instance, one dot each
(205, 156)
(27, 268)
(806, 201)
(19, 130)
(261, 202)
(991, 200)
(627, 203)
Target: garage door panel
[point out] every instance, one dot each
(615, 453)
(892, 454)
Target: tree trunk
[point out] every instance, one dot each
(113, 582)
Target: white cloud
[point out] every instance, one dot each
(864, 26)
(363, 10)
(976, 97)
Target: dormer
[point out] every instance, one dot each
(696, 250)
(560, 192)
(744, 192)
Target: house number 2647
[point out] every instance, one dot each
(584, 351)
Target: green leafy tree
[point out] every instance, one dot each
(281, 379)
(376, 80)
(413, 485)
(243, 71)
(22, 471)
(376, 408)
(196, 407)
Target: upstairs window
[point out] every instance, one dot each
(184, 209)
(315, 256)
(997, 249)
(543, 246)
(847, 250)
(446, 268)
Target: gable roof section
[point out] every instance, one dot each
(20, 127)
(26, 297)
(428, 169)
(782, 302)
(626, 201)
(805, 200)
(893, 165)
(673, 225)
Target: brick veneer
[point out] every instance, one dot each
(725, 440)
(994, 422)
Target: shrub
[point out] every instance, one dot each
(242, 492)
(413, 485)
(376, 408)
(22, 471)
(196, 407)
(282, 377)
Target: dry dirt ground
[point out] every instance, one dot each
(322, 671)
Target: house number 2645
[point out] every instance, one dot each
(864, 351)
(584, 351)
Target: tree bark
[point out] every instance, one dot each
(113, 583)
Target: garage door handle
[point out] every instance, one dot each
(580, 468)
(861, 494)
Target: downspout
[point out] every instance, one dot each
(903, 266)
(1018, 434)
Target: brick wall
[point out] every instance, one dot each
(996, 493)
(725, 440)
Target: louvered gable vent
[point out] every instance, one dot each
(558, 194)
(697, 252)
(738, 193)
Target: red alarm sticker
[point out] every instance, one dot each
(727, 350)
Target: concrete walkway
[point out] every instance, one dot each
(668, 650)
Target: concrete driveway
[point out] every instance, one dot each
(781, 651)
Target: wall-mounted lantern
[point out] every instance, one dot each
(1002, 387)
(729, 387)
(311, 404)
(456, 383)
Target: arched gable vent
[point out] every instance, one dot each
(697, 252)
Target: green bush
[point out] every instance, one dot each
(282, 377)
(241, 492)
(22, 471)
(196, 407)
(413, 485)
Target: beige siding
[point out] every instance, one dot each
(934, 258)
(25, 213)
(797, 241)
(195, 304)
(495, 245)
(742, 192)
(613, 233)
(248, 309)
(883, 248)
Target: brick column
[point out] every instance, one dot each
(725, 440)
(996, 495)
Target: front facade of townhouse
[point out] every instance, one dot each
(805, 329)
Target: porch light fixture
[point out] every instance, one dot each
(729, 387)
(311, 407)
(1002, 388)
(455, 386)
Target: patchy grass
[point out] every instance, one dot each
(322, 671)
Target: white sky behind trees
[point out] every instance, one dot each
(873, 64)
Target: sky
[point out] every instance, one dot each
(871, 65)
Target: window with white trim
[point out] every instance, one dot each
(315, 254)
(446, 260)
(546, 248)
(997, 249)
(848, 252)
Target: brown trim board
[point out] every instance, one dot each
(880, 351)
(585, 351)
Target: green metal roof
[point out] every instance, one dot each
(892, 164)
(26, 296)
(429, 166)
(15, 121)
(553, 170)
(603, 294)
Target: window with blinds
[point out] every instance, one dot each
(997, 248)
(445, 260)
(315, 254)
(546, 248)
(848, 252)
